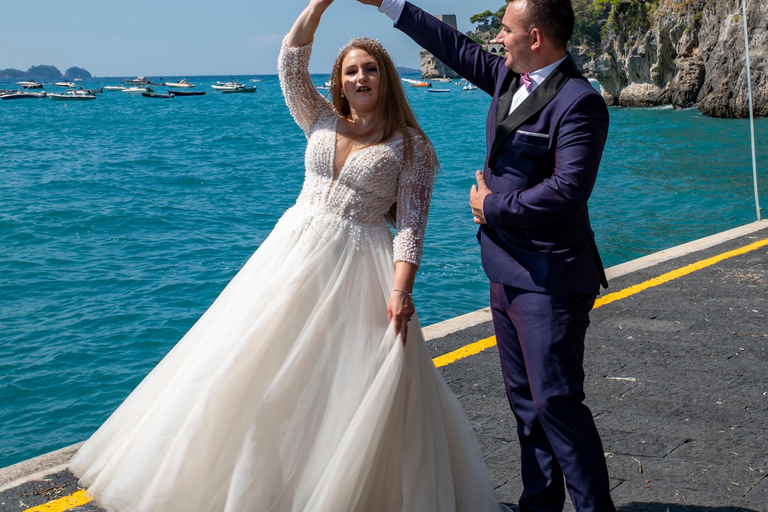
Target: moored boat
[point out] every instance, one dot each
(135, 90)
(181, 83)
(65, 84)
(73, 96)
(138, 81)
(241, 88)
(186, 93)
(114, 88)
(149, 93)
(438, 90)
(22, 95)
(470, 87)
(30, 84)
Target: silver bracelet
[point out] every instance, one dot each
(410, 295)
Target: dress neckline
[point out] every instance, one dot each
(350, 157)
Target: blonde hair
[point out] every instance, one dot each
(393, 108)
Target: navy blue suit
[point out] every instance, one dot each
(539, 253)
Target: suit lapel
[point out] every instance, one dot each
(533, 104)
(505, 101)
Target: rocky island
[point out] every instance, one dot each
(661, 52)
(43, 72)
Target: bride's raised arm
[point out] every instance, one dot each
(302, 97)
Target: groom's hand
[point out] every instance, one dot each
(477, 196)
(377, 3)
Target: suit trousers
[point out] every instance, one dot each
(540, 337)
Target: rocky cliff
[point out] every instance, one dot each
(684, 52)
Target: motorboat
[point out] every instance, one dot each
(7, 91)
(135, 90)
(325, 87)
(30, 84)
(138, 81)
(65, 84)
(220, 86)
(186, 93)
(438, 90)
(470, 87)
(73, 96)
(421, 84)
(114, 88)
(150, 93)
(240, 88)
(181, 83)
(23, 95)
(442, 80)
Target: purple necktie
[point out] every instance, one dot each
(526, 79)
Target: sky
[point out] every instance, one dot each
(196, 37)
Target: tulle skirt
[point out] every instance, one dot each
(292, 393)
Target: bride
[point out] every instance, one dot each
(296, 390)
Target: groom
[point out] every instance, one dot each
(545, 134)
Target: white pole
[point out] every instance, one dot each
(751, 115)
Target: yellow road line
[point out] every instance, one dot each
(62, 504)
(466, 351)
(479, 346)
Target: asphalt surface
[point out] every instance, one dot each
(676, 378)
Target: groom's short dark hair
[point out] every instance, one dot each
(554, 18)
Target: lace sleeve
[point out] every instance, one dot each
(414, 191)
(304, 101)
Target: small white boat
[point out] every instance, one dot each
(443, 80)
(30, 84)
(325, 87)
(438, 90)
(22, 95)
(181, 83)
(228, 86)
(138, 81)
(470, 87)
(73, 96)
(65, 84)
(135, 90)
(114, 88)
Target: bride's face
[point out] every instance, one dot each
(360, 80)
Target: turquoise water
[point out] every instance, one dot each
(121, 219)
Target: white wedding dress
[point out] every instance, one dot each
(291, 393)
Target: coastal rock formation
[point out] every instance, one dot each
(75, 72)
(431, 67)
(684, 52)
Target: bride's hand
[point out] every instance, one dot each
(400, 309)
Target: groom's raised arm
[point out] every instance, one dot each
(454, 49)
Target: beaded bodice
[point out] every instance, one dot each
(371, 180)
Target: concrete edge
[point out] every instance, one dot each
(684, 249)
(455, 324)
(37, 467)
(47, 463)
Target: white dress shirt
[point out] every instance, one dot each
(392, 8)
(537, 77)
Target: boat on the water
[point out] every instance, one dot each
(220, 86)
(442, 80)
(23, 95)
(241, 88)
(438, 90)
(65, 84)
(150, 93)
(416, 83)
(114, 88)
(186, 93)
(135, 90)
(73, 96)
(30, 84)
(470, 87)
(138, 81)
(181, 83)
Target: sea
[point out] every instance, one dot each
(121, 220)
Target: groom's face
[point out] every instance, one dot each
(516, 37)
